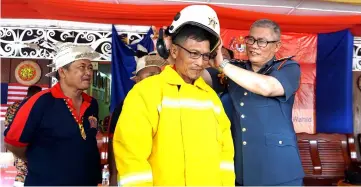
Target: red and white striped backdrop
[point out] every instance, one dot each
(16, 92)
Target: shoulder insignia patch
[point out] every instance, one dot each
(283, 60)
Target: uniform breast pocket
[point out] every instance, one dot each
(281, 158)
(280, 140)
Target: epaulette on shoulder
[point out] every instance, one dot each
(283, 60)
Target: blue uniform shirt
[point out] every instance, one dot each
(266, 151)
(56, 152)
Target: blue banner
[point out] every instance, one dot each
(123, 64)
(334, 83)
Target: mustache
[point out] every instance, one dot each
(86, 78)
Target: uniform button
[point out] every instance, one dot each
(244, 129)
(244, 143)
(241, 103)
(243, 116)
(280, 142)
(245, 93)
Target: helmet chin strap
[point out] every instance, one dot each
(214, 50)
(216, 46)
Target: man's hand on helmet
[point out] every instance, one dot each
(219, 57)
(167, 39)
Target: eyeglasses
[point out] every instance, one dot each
(260, 42)
(196, 54)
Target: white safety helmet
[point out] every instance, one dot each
(202, 16)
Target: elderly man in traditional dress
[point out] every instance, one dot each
(54, 131)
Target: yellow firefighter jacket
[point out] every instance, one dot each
(171, 133)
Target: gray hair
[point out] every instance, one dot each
(57, 76)
(266, 23)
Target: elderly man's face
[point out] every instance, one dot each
(79, 74)
(147, 72)
(261, 55)
(188, 57)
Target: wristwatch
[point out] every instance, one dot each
(223, 64)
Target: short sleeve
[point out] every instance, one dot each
(289, 77)
(26, 121)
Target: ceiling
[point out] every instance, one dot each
(293, 7)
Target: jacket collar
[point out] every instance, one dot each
(172, 77)
(58, 93)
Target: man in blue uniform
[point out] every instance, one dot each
(262, 91)
(54, 130)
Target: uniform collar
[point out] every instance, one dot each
(172, 77)
(265, 66)
(268, 64)
(58, 93)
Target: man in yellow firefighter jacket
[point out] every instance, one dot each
(173, 130)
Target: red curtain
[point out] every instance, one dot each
(160, 15)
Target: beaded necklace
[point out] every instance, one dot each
(79, 122)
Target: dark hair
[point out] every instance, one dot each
(65, 67)
(195, 33)
(230, 52)
(32, 90)
(266, 23)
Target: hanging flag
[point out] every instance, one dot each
(12, 92)
(123, 64)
